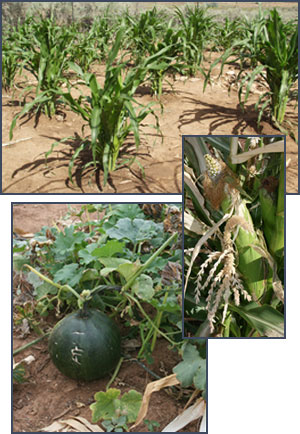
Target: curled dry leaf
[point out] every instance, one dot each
(74, 424)
(27, 360)
(192, 413)
(154, 386)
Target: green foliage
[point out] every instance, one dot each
(270, 47)
(102, 256)
(248, 198)
(109, 406)
(192, 369)
(196, 27)
(19, 374)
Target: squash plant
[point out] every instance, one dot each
(117, 264)
(120, 264)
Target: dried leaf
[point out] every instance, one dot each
(192, 413)
(194, 225)
(155, 386)
(78, 423)
(203, 423)
(27, 360)
(245, 156)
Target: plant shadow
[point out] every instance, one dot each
(82, 167)
(219, 116)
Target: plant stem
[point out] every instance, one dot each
(57, 285)
(134, 276)
(115, 373)
(149, 319)
(158, 321)
(35, 341)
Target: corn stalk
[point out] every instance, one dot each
(240, 264)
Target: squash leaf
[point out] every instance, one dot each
(105, 405)
(192, 369)
(134, 230)
(68, 274)
(143, 287)
(130, 405)
(108, 405)
(109, 249)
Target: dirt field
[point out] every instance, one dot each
(68, 398)
(187, 111)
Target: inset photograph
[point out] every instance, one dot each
(234, 236)
(97, 321)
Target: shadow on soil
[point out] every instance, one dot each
(82, 167)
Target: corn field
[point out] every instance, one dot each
(56, 59)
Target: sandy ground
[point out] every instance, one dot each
(187, 110)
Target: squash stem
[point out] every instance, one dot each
(157, 323)
(57, 285)
(135, 275)
(35, 341)
(149, 319)
(115, 373)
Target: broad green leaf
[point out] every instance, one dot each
(33, 279)
(130, 405)
(68, 274)
(44, 289)
(128, 269)
(200, 376)
(111, 264)
(134, 230)
(105, 405)
(19, 261)
(109, 249)
(143, 287)
(89, 274)
(192, 368)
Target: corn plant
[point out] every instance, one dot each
(272, 47)
(13, 52)
(234, 243)
(196, 26)
(111, 111)
(46, 57)
(225, 33)
(10, 65)
(143, 31)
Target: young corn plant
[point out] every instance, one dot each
(46, 57)
(12, 51)
(226, 33)
(272, 49)
(143, 31)
(196, 26)
(111, 111)
(234, 247)
(167, 50)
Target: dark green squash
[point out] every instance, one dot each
(85, 345)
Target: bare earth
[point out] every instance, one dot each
(67, 398)
(187, 111)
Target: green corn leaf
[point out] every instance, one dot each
(265, 319)
(43, 97)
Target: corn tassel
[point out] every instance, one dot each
(251, 264)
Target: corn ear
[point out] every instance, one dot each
(272, 209)
(251, 264)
